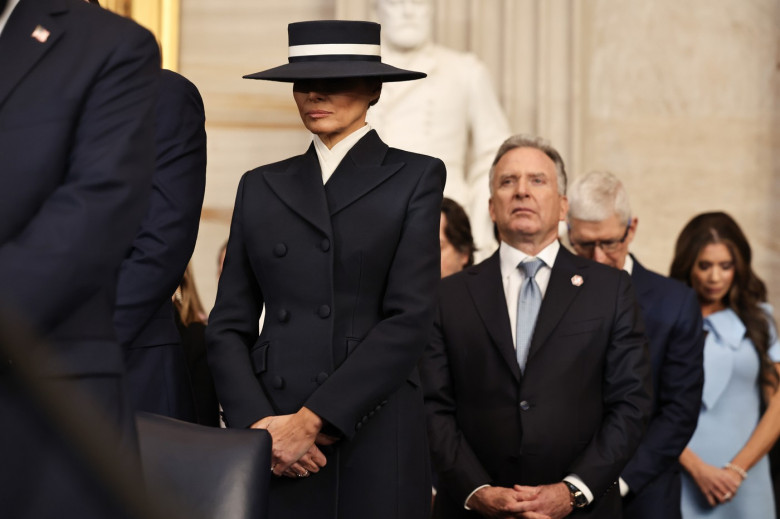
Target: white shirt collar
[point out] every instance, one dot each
(511, 257)
(628, 266)
(9, 7)
(331, 158)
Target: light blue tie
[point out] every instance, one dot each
(528, 302)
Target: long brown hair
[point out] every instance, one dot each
(747, 289)
(187, 301)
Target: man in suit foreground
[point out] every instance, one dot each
(144, 318)
(545, 427)
(601, 228)
(77, 92)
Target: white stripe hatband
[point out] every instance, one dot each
(298, 51)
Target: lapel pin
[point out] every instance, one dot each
(40, 33)
(577, 280)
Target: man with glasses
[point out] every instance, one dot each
(601, 228)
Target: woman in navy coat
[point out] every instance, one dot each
(340, 245)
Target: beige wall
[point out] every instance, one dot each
(679, 99)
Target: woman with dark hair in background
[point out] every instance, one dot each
(725, 461)
(457, 244)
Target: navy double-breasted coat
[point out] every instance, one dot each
(348, 273)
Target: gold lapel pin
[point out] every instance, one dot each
(41, 34)
(577, 280)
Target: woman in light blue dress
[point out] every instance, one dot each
(726, 470)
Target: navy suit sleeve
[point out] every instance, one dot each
(627, 391)
(81, 232)
(455, 460)
(678, 397)
(390, 351)
(164, 244)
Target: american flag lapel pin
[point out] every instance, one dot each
(576, 280)
(41, 33)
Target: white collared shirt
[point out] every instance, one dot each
(7, 13)
(512, 277)
(330, 159)
(628, 266)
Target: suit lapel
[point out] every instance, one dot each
(642, 284)
(561, 291)
(300, 188)
(360, 171)
(487, 291)
(19, 50)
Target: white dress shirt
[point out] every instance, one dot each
(331, 158)
(9, 7)
(512, 278)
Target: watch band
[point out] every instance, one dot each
(578, 499)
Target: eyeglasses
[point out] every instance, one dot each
(587, 247)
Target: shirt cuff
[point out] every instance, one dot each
(577, 482)
(465, 503)
(624, 490)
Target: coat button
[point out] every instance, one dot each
(278, 382)
(283, 315)
(324, 311)
(321, 378)
(524, 405)
(325, 245)
(280, 249)
(358, 426)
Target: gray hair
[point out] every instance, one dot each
(597, 196)
(538, 143)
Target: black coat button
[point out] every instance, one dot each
(524, 405)
(321, 378)
(278, 382)
(358, 426)
(283, 315)
(325, 245)
(324, 311)
(280, 249)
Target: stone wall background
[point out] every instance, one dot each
(681, 100)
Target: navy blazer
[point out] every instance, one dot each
(347, 273)
(76, 162)
(580, 406)
(144, 320)
(674, 327)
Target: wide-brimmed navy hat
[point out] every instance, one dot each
(330, 49)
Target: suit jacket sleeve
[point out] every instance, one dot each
(389, 352)
(82, 230)
(234, 327)
(454, 459)
(164, 244)
(626, 394)
(678, 398)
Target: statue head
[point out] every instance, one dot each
(406, 24)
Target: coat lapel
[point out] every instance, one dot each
(561, 291)
(487, 291)
(360, 171)
(300, 188)
(19, 50)
(642, 284)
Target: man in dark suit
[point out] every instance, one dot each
(542, 420)
(77, 93)
(601, 228)
(144, 319)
